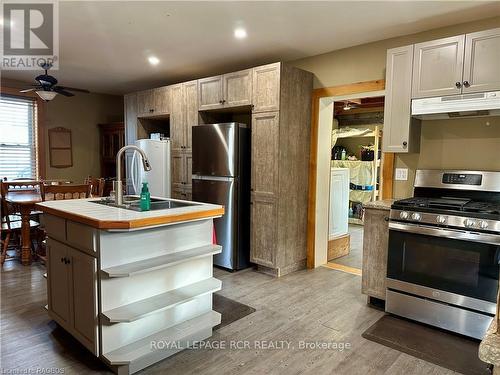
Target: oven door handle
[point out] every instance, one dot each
(447, 233)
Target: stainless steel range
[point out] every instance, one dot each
(444, 251)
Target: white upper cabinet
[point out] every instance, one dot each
(400, 134)
(437, 67)
(482, 61)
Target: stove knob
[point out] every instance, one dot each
(404, 215)
(416, 216)
(469, 223)
(483, 224)
(440, 219)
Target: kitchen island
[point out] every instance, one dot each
(133, 287)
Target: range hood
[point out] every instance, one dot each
(457, 106)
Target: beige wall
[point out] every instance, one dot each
(444, 144)
(80, 113)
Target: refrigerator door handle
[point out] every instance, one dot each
(214, 178)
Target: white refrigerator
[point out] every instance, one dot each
(158, 178)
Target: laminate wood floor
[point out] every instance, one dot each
(321, 305)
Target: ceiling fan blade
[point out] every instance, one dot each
(28, 90)
(73, 89)
(59, 90)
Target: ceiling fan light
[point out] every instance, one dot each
(46, 95)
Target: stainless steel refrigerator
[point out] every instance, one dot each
(221, 175)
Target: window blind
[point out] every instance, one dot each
(18, 138)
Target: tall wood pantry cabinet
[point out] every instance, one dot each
(184, 115)
(280, 166)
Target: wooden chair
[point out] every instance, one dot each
(10, 225)
(97, 186)
(60, 192)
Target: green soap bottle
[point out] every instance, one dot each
(145, 197)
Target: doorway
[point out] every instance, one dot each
(320, 170)
(354, 175)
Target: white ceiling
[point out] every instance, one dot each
(104, 45)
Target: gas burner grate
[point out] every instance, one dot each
(482, 207)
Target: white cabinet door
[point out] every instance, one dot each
(83, 275)
(482, 61)
(399, 134)
(339, 202)
(437, 67)
(58, 283)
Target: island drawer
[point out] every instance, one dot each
(55, 227)
(82, 237)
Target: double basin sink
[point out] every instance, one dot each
(133, 203)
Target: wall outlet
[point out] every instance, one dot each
(401, 174)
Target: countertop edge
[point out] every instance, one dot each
(133, 223)
(384, 204)
(489, 348)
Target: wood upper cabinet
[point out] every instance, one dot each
(130, 104)
(266, 88)
(224, 91)
(145, 103)
(375, 243)
(71, 305)
(482, 61)
(153, 102)
(237, 88)
(177, 132)
(265, 153)
(437, 67)
(161, 100)
(210, 94)
(401, 133)
(191, 109)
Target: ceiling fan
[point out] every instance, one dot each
(47, 87)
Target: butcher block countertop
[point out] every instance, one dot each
(108, 217)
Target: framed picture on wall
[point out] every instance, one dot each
(60, 148)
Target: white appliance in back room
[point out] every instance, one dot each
(158, 178)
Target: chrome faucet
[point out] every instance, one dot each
(117, 185)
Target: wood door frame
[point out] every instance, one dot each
(317, 95)
(41, 124)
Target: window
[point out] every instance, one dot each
(18, 138)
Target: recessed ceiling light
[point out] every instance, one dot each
(153, 60)
(240, 33)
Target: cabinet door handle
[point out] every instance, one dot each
(458, 84)
(466, 84)
(405, 144)
(386, 218)
(62, 260)
(221, 101)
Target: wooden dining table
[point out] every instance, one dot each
(24, 201)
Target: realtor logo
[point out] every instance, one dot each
(30, 34)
